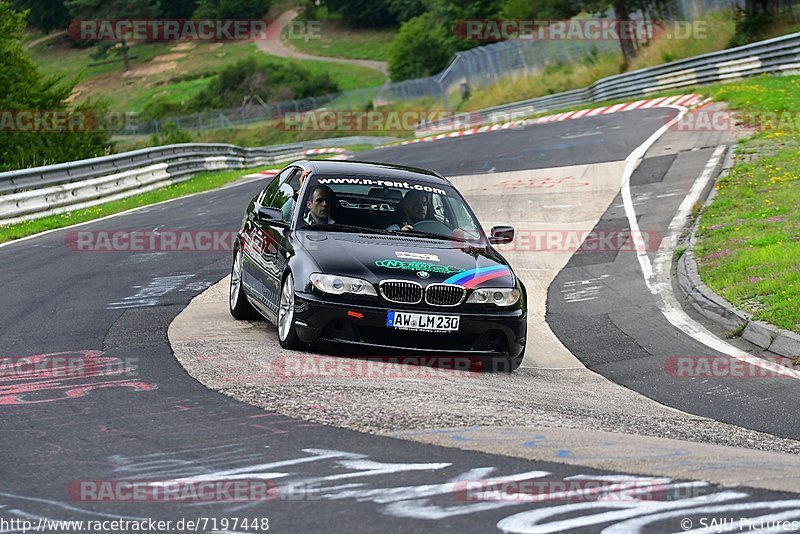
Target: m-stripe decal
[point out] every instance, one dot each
(467, 276)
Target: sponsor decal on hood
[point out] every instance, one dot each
(418, 266)
(415, 256)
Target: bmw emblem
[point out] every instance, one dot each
(424, 275)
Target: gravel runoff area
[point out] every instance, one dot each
(244, 360)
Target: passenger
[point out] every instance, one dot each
(288, 206)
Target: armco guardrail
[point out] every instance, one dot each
(41, 191)
(780, 55)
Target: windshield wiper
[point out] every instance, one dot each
(417, 233)
(336, 227)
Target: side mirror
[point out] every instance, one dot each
(272, 217)
(501, 235)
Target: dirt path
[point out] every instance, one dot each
(47, 37)
(275, 46)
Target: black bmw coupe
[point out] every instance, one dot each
(378, 256)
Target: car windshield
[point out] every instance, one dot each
(385, 205)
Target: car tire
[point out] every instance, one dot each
(287, 332)
(238, 304)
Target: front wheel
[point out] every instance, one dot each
(238, 304)
(287, 333)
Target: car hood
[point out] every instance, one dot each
(376, 257)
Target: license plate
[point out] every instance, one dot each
(422, 321)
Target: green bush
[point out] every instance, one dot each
(749, 27)
(269, 81)
(170, 134)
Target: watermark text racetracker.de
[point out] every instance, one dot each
(389, 121)
(308, 367)
(65, 121)
(583, 241)
(234, 490)
(722, 120)
(151, 240)
(764, 366)
(161, 30)
(571, 490)
(65, 366)
(492, 30)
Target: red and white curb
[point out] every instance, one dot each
(687, 101)
(470, 131)
(339, 153)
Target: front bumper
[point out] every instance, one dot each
(491, 332)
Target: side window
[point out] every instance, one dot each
(283, 199)
(269, 191)
(294, 179)
(439, 209)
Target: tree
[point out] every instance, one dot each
(46, 15)
(27, 89)
(110, 10)
(623, 9)
(232, 9)
(417, 50)
(404, 10)
(178, 9)
(363, 13)
(538, 9)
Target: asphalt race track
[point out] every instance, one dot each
(151, 423)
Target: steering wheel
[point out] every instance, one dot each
(432, 227)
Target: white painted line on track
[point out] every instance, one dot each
(658, 280)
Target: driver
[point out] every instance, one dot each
(414, 207)
(319, 205)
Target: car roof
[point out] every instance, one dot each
(365, 168)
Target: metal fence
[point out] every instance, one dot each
(780, 55)
(33, 193)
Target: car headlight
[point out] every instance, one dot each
(337, 285)
(497, 296)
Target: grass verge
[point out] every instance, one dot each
(202, 182)
(175, 72)
(335, 39)
(749, 238)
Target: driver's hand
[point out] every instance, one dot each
(407, 227)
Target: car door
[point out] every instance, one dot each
(271, 231)
(275, 232)
(253, 241)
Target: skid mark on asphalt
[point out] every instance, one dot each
(150, 294)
